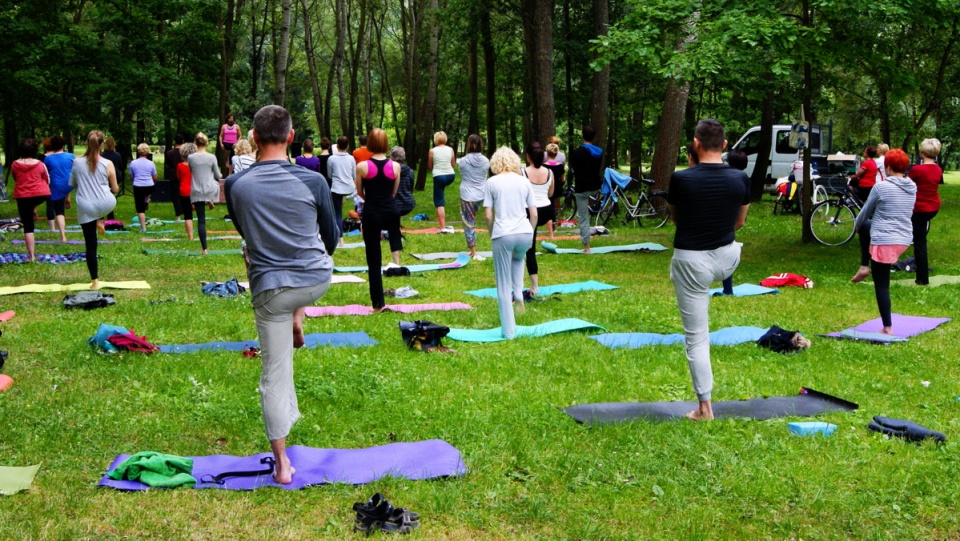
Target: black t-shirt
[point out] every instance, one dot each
(707, 199)
(586, 169)
(170, 160)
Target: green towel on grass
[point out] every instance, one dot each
(156, 470)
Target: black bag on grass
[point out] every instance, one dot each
(423, 335)
(783, 341)
(88, 300)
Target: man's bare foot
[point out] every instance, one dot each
(101, 230)
(210, 205)
(861, 274)
(284, 474)
(95, 284)
(887, 331)
(586, 250)
(702, 413)
(63, 240)
(298, 338)
(203, 252)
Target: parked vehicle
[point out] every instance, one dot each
(782, 155)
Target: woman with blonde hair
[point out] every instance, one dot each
(243, 156)
(511, 215)
(441, 160)
(144, 174)
(95, 178)
(205, 187)
(927, 176)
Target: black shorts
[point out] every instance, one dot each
(187, 207)
(140, 197)
(56, 207)
(228, 148)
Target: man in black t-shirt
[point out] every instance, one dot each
(708, 202)
(170, 160)
(586, 172)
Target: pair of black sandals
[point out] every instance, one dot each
(377, 514)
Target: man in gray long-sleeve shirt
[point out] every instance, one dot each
(285, 216)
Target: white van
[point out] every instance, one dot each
(781, 155)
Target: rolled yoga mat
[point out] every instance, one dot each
(591, 285)
(461, 261)
(48, 288)
(903, 327)
(448, 255)
(723, 337)
(415, 461)
(550, 247)
(337, 339)
(806, 404)
(745, 290)
(360, 310)
(523, 331)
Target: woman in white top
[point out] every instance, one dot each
(511, 215)
(243, 156)
(440, 161)
(473, 176)
(96, 181)
(205, 187)
(541, 182)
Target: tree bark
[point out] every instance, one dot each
(429, 117)
(759, 178)
(280, 67)
(808, 91)
(473, 121)
(601, 79)
(338, 58)
(312, 65)
(668, 136)
(490, 75)
(355, 71)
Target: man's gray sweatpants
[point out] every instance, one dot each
(509, 253)
(692, 273)
(273, 311)
(583, 214)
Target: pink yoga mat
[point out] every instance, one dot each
(7, 316)
(360, 310)
(435, 230)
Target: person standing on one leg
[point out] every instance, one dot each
(474, 167)
(708, 202)
(586, 170)
(511, 216)
(206, 184)
(441, 159)
(888, 210)
(144, 175)
(95, 178)
(285, 215)
(31, 189)
(59, 164)
(863, 182)
(738, 160)
(927, 176)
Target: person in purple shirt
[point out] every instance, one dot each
(307, 159)
(144, 174)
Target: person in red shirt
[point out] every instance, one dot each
(927, 176)
(31, 188)
(186, 180)
(362, 154)
(862, 182)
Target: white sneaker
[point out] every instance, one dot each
(447, 229)
(479, 257)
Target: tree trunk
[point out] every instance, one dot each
(601, 79)
(280, 67)
(473, 81)
(808, 91)
(368, 86)
(312, 65)
(568, 77)
(388, 88)
(668, 136)
(429, 116)
(338, 58)
(355, 71)
(490, 74)
(759, 178)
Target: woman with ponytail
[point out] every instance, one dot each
(96, 181)
(541, 182)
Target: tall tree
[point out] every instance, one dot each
(537, 18)
(599, 105)
(312, 64)
(280, 66)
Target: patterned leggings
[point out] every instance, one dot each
(468, 212)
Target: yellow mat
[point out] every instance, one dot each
(49, 288)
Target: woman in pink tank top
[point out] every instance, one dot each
(229, 135)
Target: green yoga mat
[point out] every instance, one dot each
(550, 247)
(148, 251)
(13, 480)
(934, 281)
(523, 331)
(48, 288)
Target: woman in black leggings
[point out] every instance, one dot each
(541, 182)
(31, 188)
(377, 182)
(96, 181)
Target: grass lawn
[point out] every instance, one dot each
(533, 472)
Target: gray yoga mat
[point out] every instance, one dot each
(806, 404)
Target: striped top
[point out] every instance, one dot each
(890, 207)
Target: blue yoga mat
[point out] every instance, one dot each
(592, 285)
(523, 331)
(414, 460)
(337, 339)
(723, 337)
(642, 247)
(461, 261)
(745, 290)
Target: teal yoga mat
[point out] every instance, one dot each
(550, 247)
(461, 261)
(523, 331)
(723, 337)
(576, 287)
(744, 290)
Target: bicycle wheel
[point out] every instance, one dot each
(833, 225)
(568, 207)
(819, 195)
(653, 211)
(607, 208)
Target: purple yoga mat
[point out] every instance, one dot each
(360, 310)
(70, 241)
(414, 461)
(903, 326)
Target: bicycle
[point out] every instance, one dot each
(650, 209)
(794, 203)
(832, 221)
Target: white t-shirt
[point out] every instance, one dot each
(442, 155)
(510, 196)
(881, 170)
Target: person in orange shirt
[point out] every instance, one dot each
(362, 154)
